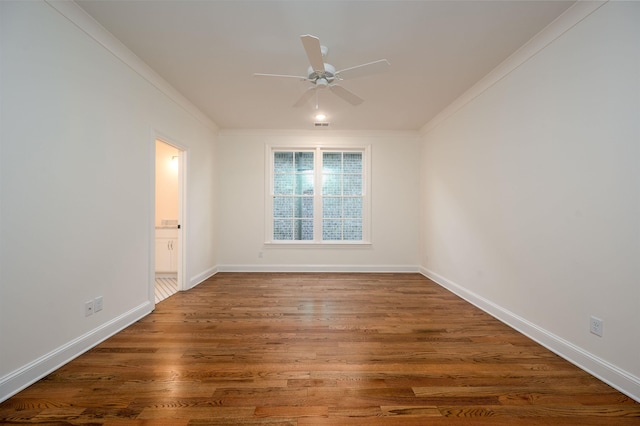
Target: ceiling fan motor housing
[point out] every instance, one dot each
(322, 78)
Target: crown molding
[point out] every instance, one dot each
(563, 23)
(85, 22)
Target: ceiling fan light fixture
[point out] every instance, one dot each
(322, 83)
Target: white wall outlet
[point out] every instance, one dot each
(596, 326)
(98, 304)
(88, 308)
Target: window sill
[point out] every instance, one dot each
(316, 245)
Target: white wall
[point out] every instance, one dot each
(76, 209)
(531, 196)
(395, 204)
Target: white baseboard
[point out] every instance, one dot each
(195, 280)
(608, 373)
(25, 376)
(597, 367)
(320, 268)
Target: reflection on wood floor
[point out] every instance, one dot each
(319, 349)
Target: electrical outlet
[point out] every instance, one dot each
(88, 308)
(98, 304)
(596, 326)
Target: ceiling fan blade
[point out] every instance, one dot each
(301, 78)
(314, 52)
(305, 97)
(364, 69)
(348, 96)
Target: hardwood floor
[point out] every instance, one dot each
(319, 349)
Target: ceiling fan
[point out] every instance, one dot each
(322, 75)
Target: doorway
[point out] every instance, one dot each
(168, 220)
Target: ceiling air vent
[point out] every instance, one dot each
(321, 124)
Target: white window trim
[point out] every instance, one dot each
(318, 242)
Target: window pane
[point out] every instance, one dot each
(352, 184)
(283, 162)
(352, 207)
(282, 207)
(353, 162)
(303, 229)
(282, 229)
(332, 162)
(304, 184)
(332, 184)
(342, 179)
(353, 230)
(332, 207)
(304, 161)
(331, 229)
(283, 184)
(304, 207)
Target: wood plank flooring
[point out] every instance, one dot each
(319, 349)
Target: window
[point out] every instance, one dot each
(293, 194)
(318, 195)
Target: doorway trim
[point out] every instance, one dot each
(157, 135)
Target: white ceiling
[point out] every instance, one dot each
(209, 50)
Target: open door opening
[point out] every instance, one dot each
(168, 220)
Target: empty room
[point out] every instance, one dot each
(320, 212)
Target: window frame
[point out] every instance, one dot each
(318, 150)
